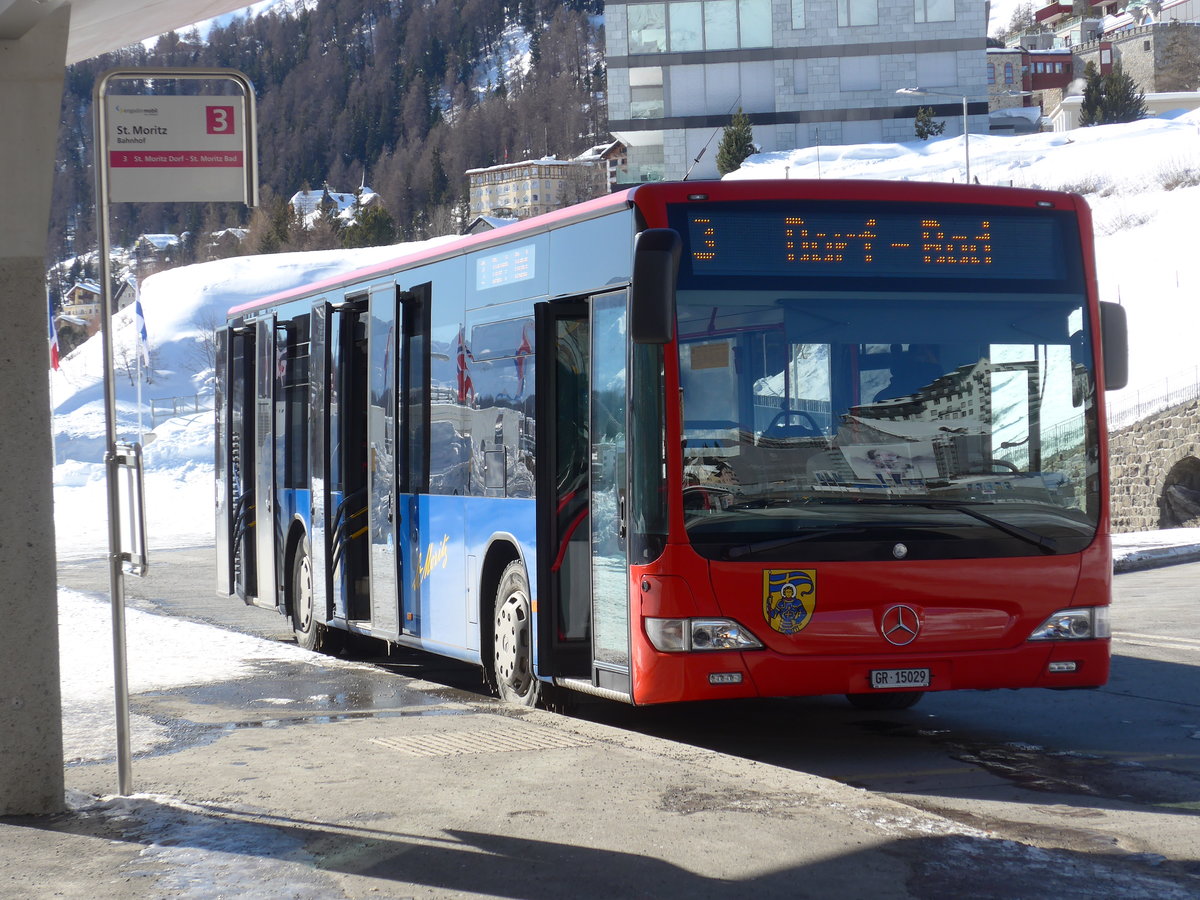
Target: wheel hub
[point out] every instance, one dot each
(512, 642)
(304, 595)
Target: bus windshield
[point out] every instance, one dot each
(949, 426)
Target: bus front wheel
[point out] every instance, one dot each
(513, 639)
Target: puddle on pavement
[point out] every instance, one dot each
(287, 695)
(288, 687)
(323, 719)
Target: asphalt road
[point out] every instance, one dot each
(1114, 772)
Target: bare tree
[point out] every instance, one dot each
(1180, 68)
(202, 356)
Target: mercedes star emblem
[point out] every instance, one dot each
(900, 625)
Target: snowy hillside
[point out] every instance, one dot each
(180, 306)
(1145, 248)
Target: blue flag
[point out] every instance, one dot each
(143, 341)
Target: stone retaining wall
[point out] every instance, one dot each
(1146, 458)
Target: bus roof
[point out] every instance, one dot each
(654, 195)
(586, 210)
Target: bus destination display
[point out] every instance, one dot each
(886, 243)
(504, 268)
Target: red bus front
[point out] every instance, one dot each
(885, 469)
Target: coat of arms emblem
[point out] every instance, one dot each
(789, 598)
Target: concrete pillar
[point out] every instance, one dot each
(31, 752)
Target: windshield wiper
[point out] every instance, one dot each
(758, 546)
(1045, 544)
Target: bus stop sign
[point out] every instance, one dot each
(179, 148)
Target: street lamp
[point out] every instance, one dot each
(921, 92)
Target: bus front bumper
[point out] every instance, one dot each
(672, 677)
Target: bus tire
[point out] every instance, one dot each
(512, 639)
(889, 700)
(310, 634)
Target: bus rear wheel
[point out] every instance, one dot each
(889, 700)
(513, 639)
(310, 634)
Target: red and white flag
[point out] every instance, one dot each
(53, 334)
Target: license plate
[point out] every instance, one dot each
(899, 678)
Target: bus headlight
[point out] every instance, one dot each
(682, 635)
(1086, 623)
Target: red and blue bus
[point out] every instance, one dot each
(693, 441)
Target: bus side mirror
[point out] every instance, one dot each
(1114, 341)
(656, 253)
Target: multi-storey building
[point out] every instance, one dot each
(1024, 80)
(523, 189)
(806, 72)
(1159, 57)
(83, 301)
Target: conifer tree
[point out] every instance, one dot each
(1122, 101)
(1111, 98)
(375, 228)
(737, 143)
(1089, 111)
(926, 126)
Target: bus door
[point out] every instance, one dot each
(344, 432)
(319, 469)
(397, 452)
(235, 465)
(583, 572)
(264, 502)
(382, 348)
(413, 311)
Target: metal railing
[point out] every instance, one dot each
(163, 408)
(1183, 387)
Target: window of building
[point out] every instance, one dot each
(859, 73)
(857, 12)
(800, 76)
(720, 25)
(797, 13)
(991, 73)
(1008, 73)
(937, 69)
(934, 10)
(687, 27)
(696, 25)
(1145, 45)
(647, 28)
(754, 23)
(646, 93)
(647, 162)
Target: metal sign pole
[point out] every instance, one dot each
(116, 457)
(116, 582)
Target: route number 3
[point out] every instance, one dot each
(219, 119)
